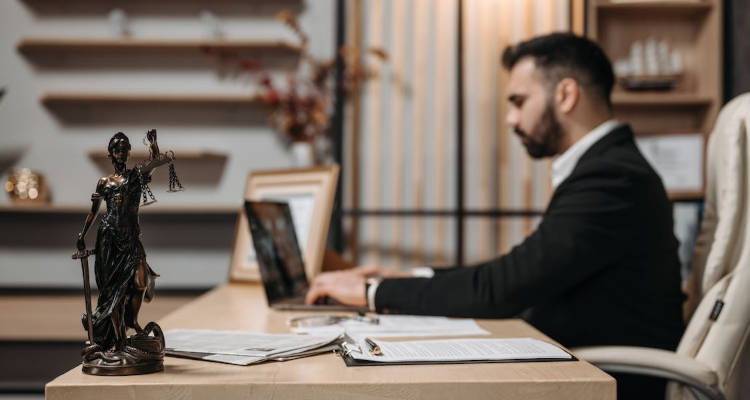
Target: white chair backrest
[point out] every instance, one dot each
(722, 257)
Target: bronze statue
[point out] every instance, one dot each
(123, 276)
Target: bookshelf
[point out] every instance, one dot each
(692, 28)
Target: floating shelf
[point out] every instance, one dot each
(659, 99)
(157, 109)
(53, 99)
(180, 155)
(194, 167)
(167, 54)
(685, 195)
(166, 8)
(84, 209)
(33, 45)
(51, 317)
(672, 7)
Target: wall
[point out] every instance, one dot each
(35, 248)
(406, 149)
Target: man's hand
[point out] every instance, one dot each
(347, 287)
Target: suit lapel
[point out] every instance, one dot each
(621, 134)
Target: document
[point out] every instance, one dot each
(398, 325)
(452, 351)
(244, 347)
(677, 158)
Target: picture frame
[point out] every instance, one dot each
(310, 193)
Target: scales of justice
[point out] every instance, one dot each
(123, 276)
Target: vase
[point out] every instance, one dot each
(302, 154)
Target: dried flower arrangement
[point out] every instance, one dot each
(301, 109)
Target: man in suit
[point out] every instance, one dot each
(602, 267)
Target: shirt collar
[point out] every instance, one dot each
(563, 166)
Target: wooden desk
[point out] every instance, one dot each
(243, 306)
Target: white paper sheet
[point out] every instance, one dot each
(242, 343)
(247, 360)
(400, 325)
(462, 350)
(231, 359)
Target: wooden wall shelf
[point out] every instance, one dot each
(33, 45)
(674, 7)
(193, 155)
(194, 167)
(57, 317)
(170, 8)
(157, 109)
(685, 195)
(166, 54)
(621, 98)
(83, 209)
(53, 99)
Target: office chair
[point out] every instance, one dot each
(708, 363)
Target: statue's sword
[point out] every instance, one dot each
(83, 255)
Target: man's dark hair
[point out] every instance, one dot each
(565, 55)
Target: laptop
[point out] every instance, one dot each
(279, 258)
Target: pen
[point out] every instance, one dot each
(373, 347)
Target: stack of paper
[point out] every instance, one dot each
(399, 325)
(243, 347)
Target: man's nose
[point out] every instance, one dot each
(511, 118)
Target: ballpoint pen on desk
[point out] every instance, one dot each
(373, 347)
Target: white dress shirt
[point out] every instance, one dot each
(563, 166)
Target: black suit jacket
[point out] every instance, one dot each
(600, 269)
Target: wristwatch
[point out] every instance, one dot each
(372, 281)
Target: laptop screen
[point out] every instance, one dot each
(277, 251)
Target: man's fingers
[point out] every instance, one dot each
(369, 269)
(314, 293)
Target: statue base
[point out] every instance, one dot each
(122, 370)
(143, 354)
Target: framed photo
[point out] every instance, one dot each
(310, 193)
(677, 158)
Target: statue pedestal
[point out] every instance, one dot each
(143, 354)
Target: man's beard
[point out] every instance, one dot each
(549, 132)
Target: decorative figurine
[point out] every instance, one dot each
(25, 186)
(123, 276)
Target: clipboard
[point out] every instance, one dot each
(347, 348)
(353, 362)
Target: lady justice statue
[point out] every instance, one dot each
(123, 276)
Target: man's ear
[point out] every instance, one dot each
(567, 94)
